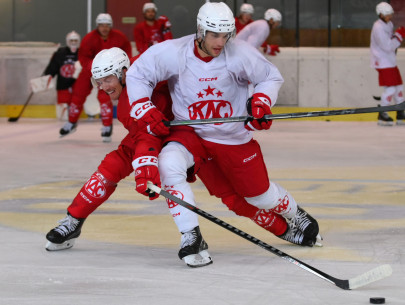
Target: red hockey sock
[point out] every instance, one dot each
(93, 193)
(271, 222)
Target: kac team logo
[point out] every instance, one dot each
(210, 108)
(95, 187)
(178, 194)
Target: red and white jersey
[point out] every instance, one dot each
(255, 33)
(202, 90)
(383, 45)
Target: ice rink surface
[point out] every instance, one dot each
(349, 175)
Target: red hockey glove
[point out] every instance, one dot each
(400, 33)
(271, 49)
(258, 106)
(146, 169)
(149, 118)
(165, 21)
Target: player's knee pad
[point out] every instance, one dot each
(174, 160)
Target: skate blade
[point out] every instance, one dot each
(384, 123)
(64, 135)
(106, 139)
(50, 246)
(318, 242)
(198, 260)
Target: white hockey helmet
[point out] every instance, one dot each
(215, 17)
(384, 9)
(73, 40)
(109, 62)
(148, 6)
(104, 19)
(246, 8)
(274, 14)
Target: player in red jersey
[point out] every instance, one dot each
(151, 31)
(245, 16)
(103, 37)
(137, 151)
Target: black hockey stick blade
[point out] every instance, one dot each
(359, 281)
(377, 98)
(15, 119)
(294, 115)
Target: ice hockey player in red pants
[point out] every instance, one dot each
(103, 37)
(137, 151)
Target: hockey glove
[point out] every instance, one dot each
(165, 21)
(146, 169)
(149, 118)
(258, 106)
(400, 33)
(271, 49)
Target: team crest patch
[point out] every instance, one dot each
(95, 187)
(178, 194)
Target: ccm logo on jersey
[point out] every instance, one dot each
(249, 158)
(208, 79)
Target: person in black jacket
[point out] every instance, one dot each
(62, 64)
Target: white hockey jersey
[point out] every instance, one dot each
(255, 33)
(383, 45)
(202, 90)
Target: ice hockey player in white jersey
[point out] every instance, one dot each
(384, 43)
(208, 76)
(256, 33)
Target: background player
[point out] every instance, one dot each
(256, 33)
(103, 37)
(62, 64)
(246, 12)
(383, 46)
(151, 31)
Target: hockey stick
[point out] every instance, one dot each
(356, 282)
(294, 115)
(15, 119)
(377, 98)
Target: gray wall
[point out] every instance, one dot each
(45, 20)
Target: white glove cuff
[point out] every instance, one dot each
(398, 36)
(144, 161)
(138, 110)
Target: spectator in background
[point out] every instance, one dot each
(256, 33)
(103, 37)
(62, 64)
(151, 31)
(245, 16)
(384, 43)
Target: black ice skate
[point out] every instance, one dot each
(68, 128)
(401, 117)
(193, 249)
(305, 223)
(294, 235)
(64, 236)
(384, 119)
(106, 132)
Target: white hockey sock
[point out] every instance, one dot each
(276, 198)
(174, 160)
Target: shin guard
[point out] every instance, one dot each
(93, 193)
